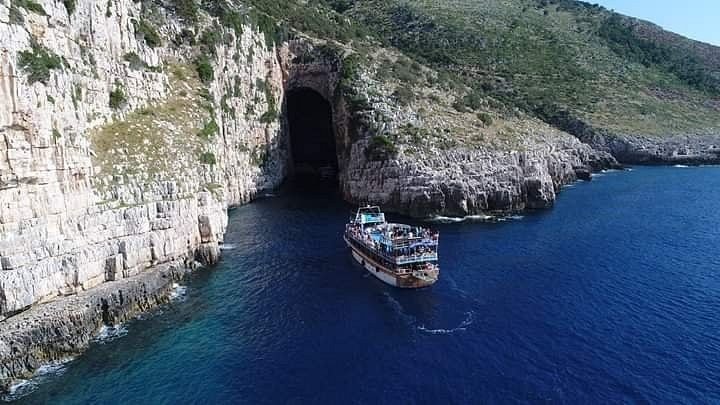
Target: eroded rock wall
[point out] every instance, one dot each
(65, 224)
(469, 181)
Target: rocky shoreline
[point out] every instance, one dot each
(65, 327)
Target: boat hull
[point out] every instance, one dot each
(382, 272)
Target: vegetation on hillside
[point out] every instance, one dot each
(564, 61)
(38, 63)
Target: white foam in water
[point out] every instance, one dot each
(22, 388)
(479, 218)
(510, 218)
(227, 246)
(109, 333)
(178, 293)
(446, 220)
(397, 307)
(450, 220)
(682, 166)
(19, 389)
(462, 327)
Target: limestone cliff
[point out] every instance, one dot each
(94, 189)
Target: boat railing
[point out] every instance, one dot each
(397, 259)
(423, 257)
(405, 242)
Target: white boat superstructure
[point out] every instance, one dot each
(400, 255)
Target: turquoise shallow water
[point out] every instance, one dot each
(612, 296)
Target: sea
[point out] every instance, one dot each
(612, 296)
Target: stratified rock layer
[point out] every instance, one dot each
(461, 182)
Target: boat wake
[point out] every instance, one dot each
(227, 246)
(22, 388)
(462, 327)
(412, 321)
(681, 166)
(398, 309)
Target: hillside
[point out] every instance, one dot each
(599, 75)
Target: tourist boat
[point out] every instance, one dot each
(400, 255)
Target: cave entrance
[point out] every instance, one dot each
(312, 139)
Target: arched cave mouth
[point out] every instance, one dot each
(312, 139)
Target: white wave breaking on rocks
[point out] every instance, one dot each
(474, 218)
(108, 334)
(178, 293)
(22, 388)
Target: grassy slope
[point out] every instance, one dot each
(546, 59)
(555, 59)
(159, 140)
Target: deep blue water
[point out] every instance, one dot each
(612, 296)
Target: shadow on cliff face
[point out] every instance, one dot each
(312, 141)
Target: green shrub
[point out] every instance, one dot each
(403, 71)
(404, 95)
(234, 20)
(117, 98)
(357, 102)
(69, 6)
(485, 118)
(186, 36)
(379, 148)
(208, 158)
(30, 5)
(186, 10)
(209, 130)
(271, 114)
(473, 100)
(351, 66)
(460, 106)
(135, 61)
(15, 16)
(204, 69)
(147, 32)
(38, 63)
(210, 38)
(56, 134)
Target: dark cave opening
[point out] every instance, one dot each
(312, 139)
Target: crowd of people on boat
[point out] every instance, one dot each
(387, 241)
(403, 233)
(427, 267)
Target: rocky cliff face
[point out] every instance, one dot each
(94, 189)
(466, 181)
(693, 149)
